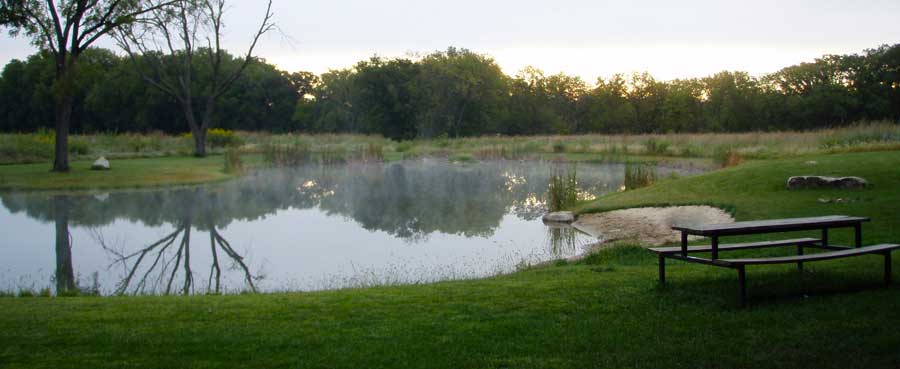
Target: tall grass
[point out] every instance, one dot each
(233, 162)
(639, 175)
(289, 155)
(865, 136)
(562, 192)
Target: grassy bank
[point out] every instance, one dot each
(38, 147)
(146, 172)
(606, 311)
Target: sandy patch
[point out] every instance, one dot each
(648, 226)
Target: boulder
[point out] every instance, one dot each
(100, 164)
(843, 183)
(559, 217)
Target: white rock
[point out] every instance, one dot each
(559, 217)
(100, 164)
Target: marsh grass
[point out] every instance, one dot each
(639, 175)
(727, 157)
(286, 155)
(233, 162)
(865, 136)
(562, 192)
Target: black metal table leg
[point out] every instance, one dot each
(742, 278)
(684, 243)
(662, 269)
(800, 252)
(887, 268)
(824, 237)
(858, 234)
(715, 247)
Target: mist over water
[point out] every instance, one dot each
(310, 228)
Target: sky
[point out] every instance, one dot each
(590, 39)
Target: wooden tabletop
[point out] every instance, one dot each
(772, 225)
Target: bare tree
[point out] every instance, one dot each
(67, 29)
(163, 49)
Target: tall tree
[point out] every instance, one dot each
(67, 29)
(171, 68)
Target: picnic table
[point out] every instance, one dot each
(716, 231)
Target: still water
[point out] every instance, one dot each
(310, 228)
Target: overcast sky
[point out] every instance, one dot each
(670, 39)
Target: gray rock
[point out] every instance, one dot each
(844, 183)
(101, 164)
(559, 217)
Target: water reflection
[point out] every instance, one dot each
(410, 202)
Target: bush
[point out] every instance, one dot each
(218, 137)
(656, 147)
(403, 146)
(79, 147)
(559, 147)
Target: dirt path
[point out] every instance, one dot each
(648, 226)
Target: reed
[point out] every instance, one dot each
(639, 175)
(562, 192)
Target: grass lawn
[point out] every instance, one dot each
(606, 311)
(125, 173)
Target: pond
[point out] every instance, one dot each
(310, 228)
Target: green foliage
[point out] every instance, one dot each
(459, 93)
(558, 147)
(562, 192)
(655, 146)
(639, 175)
(218, 137)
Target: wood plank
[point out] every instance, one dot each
(772, 225)
(738, 246)
(876, 249)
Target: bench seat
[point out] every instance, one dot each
(738, 246)
(875, 249)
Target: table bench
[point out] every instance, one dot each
(824, 224)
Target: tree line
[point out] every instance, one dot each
(454, 93)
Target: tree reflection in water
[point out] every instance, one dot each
(164, 268)
(408, 200)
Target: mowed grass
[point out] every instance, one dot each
(125, 173)
(604, 312)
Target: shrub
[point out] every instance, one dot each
(559, 147)
(79, 147)
(218, 137)
(656, 147)
(403, 146)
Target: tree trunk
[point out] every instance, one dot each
(199, 142)
(63, 118)
(197, 131)
(65, 274)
